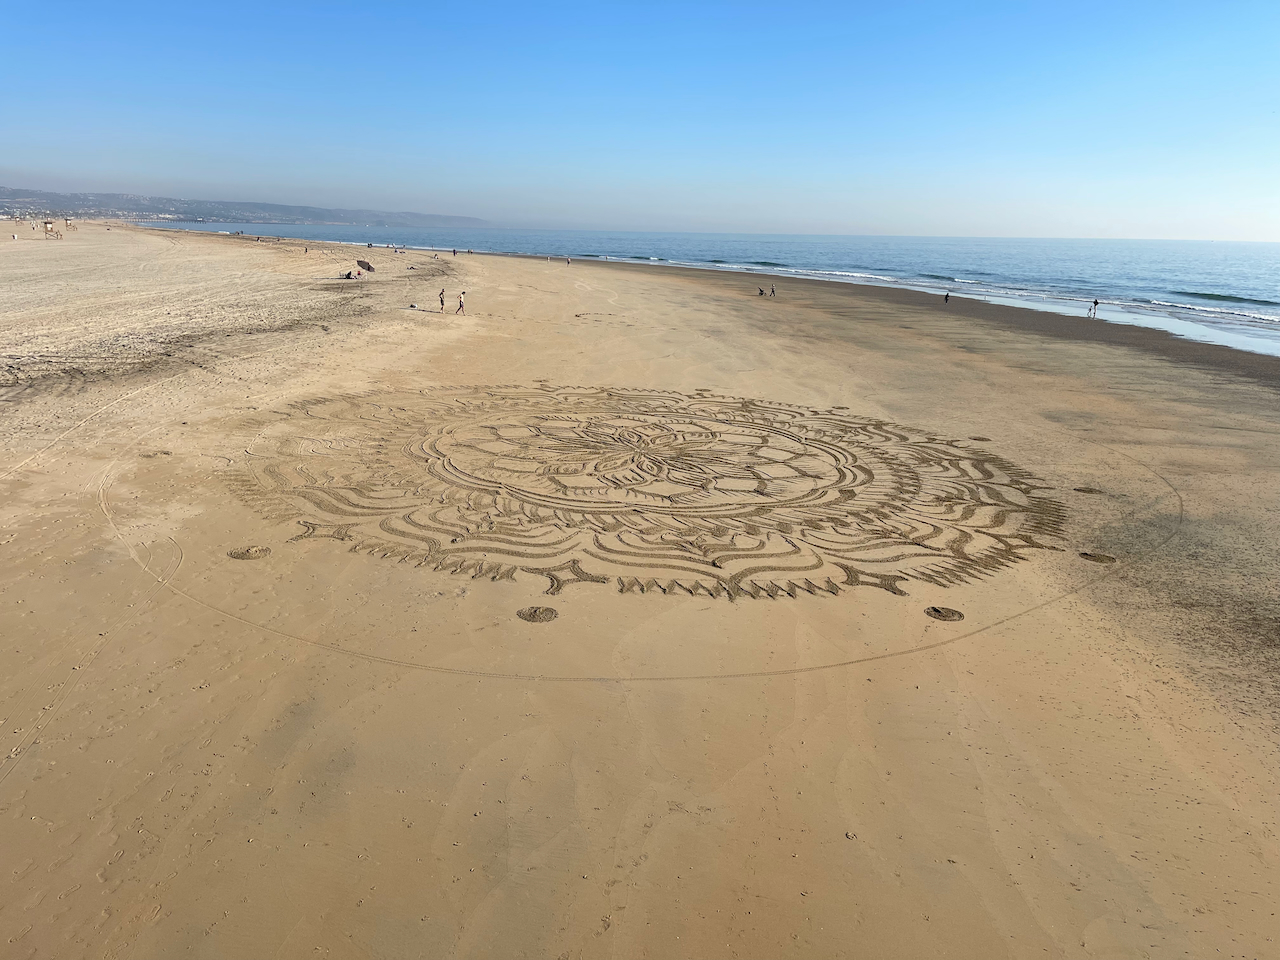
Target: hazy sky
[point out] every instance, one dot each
(1009, 119)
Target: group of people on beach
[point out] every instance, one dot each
(462, 303)
(1092, 312)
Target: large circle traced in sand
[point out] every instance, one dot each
(645, 490)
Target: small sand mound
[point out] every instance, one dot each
(249, 553)
(537, 614)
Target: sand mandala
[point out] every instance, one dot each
(646, 491)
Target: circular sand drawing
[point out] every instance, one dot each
(645, 490)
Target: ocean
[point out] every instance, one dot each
(1213, 291)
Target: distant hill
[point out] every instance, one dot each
(128, 206)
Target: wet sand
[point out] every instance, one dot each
(267, 690)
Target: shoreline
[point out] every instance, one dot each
(1117, 312)
(1263, 368)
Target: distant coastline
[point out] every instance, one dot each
(22, 202)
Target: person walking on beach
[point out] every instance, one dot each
(946, 297)
(1094, 312)
(461, 307)
(772, 292)
(442, 299)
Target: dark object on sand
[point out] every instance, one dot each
(413, 306)
(365, 265)
(943, 613)
(1097, 557)
(1086, 490)
(537, 614)
(249, 553)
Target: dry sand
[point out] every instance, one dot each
(334, 746)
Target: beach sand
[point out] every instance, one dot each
(265, 691)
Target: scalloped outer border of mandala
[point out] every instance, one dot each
(1048, 522)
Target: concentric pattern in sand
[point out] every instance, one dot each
(646, 490)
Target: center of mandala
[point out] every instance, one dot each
(668, 465)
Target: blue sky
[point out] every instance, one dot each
(1000, 119)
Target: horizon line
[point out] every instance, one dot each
(491, 224)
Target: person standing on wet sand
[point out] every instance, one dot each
(461, 306)
(946, 297)
(772, 292)
(1094, 311)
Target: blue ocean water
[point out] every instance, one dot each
(1213, 291)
